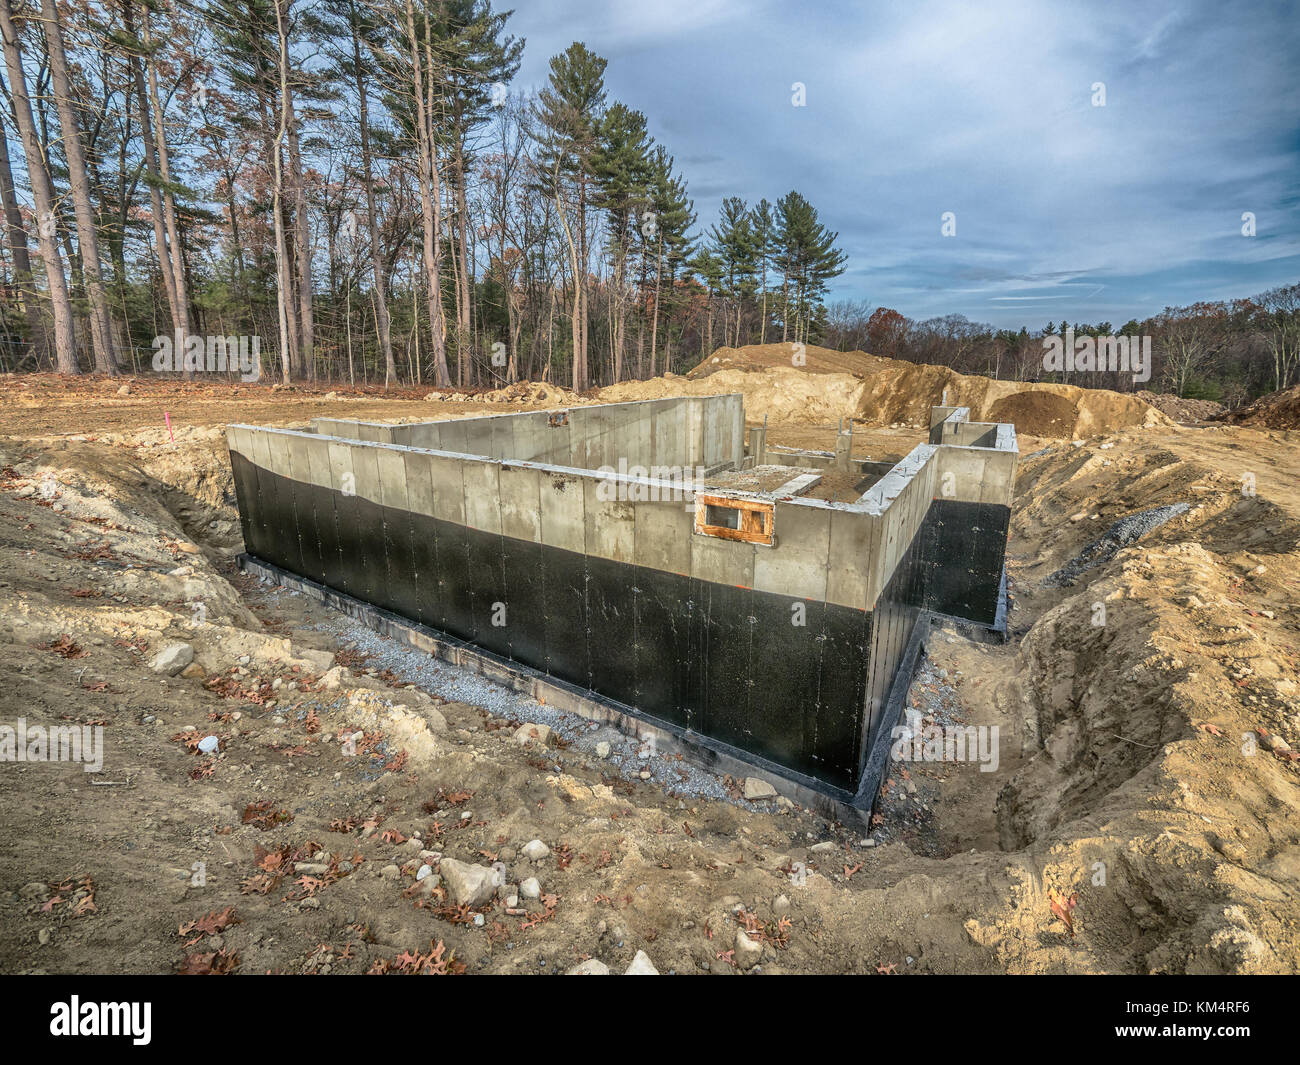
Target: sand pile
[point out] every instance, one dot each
(828, 385)
(1277, 410)
(784, 394)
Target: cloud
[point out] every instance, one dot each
(985, 110)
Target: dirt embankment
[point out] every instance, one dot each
(813, 384)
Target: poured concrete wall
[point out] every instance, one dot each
(786, 651)
(697, 431)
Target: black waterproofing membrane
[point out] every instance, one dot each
(719, 660)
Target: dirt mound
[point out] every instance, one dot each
(807, 357)
(783, 394)
(1036, 413)
(898, 392)
(1184, 411)
(1277, 410)
(532, 392)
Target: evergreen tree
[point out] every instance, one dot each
(807, 258)
(568, 112)
(621, 167)
(733, 242)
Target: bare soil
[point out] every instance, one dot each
(1147, 715)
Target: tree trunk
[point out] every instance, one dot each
(65, 343)
(464, 308)
(282, 295)
(382, 325)
(101, 321)
(180, 321)
(654, 321)
(16, 238)
(430, 207)
(176, 256)
(301, 238)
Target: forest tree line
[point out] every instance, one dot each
(356, 184)
(1228, 351)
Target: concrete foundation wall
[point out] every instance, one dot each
(785, 649)
(683, 434)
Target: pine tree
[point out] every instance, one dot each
(763, 223)
(666, 235)
(622, 169)
(476, 60)
(733, 242)
(568, 112)
(807, 258)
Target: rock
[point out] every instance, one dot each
(824, 846)
(332, 679)
(529, 732)
(780, 905)
(125, 390)
(309, 903)
(172, 659)
(641, 966)
(535, 850)
(34, 890)
(1275, 743)
(602, 749)
(209, 744)
(390, 872)
(468, 885)
(320, 660)
(423, 871)
(531, 888)
(311, 868)
(590, 967)
(754, 788)
(749, 952)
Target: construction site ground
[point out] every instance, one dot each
(1144, 816)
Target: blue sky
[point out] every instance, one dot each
(1063, 209)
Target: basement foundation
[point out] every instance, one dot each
(757, 605)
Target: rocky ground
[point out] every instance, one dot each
(284, 792)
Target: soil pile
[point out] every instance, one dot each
(894, 392)
(1277, 410)
(1183, 411)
